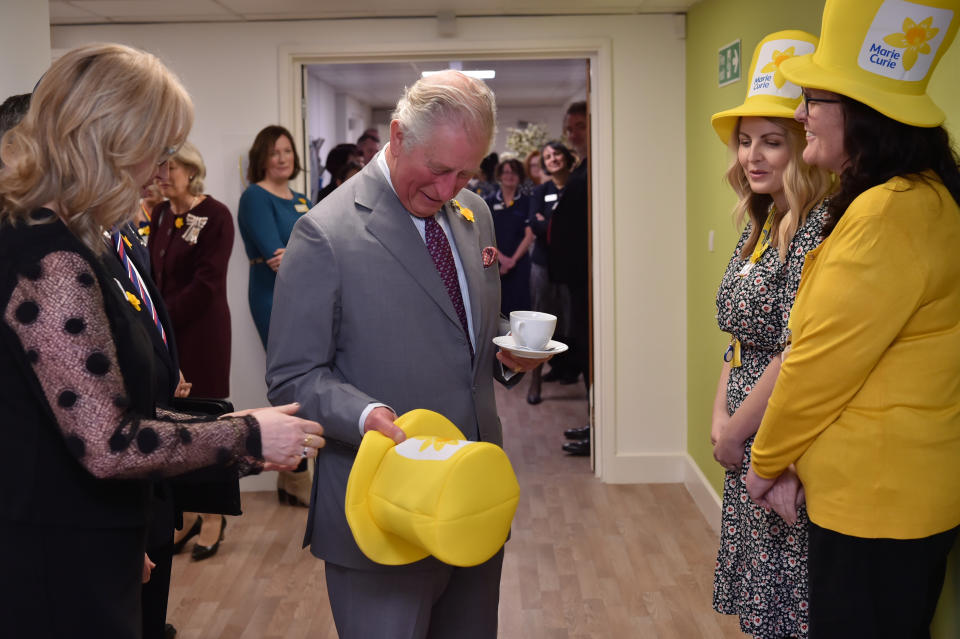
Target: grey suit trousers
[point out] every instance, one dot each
(435, 602)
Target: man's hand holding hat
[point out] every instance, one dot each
(381, 419)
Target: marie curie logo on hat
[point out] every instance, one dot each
(437, 449)
(435, 493)
(767, 77)
(903, 40)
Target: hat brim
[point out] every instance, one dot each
(725, 122)
(377, 544)
(915, 110)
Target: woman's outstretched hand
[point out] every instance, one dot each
(285, 439)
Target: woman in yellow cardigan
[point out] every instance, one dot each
(867, 404)
(761, 569)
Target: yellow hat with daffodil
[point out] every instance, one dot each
(432, 494)
(881, 53)
(769, 95)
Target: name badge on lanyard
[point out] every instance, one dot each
(498, 207)
(552, 197)
(763, 243)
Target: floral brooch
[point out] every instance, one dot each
(194, 224)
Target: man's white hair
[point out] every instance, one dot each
(448, 97)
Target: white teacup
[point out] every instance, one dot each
(532, 329)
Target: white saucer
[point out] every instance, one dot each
(507, 343)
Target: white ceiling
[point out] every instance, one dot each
(379, 84)
(106, 11)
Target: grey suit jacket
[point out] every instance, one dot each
(361, 315)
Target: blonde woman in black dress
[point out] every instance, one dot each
(80, 396)
(761, 565)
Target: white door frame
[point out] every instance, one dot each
(598, 50)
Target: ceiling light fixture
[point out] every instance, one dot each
(480, 74)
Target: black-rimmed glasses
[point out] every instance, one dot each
(807, 100)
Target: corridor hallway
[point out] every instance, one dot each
(585, 560)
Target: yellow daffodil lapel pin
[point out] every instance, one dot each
(462, 210)
(134, 301)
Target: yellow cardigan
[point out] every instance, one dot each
(867, 402)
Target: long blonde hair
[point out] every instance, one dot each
(100, 112)
(804, 186)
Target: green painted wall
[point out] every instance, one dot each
(945, 91)
(712, 24)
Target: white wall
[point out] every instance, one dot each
(24, 45)
(353, 117)
(638, 162)
(381, 118)
(321, 120)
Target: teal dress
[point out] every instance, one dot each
(265, 222)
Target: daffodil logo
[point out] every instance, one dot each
(898, 46)
(429, 448)
(437, 443)
(774, 65)
(915, 39)
(767, 77)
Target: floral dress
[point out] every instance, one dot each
(761, 570)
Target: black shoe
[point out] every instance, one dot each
(194, 530)
(577, 433)
(533, 398)
(200, 553)
(169, 632)
(577, 449)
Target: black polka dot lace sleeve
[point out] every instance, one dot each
(57, 312)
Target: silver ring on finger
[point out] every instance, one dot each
(305, 452)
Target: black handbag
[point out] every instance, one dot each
(214, 489)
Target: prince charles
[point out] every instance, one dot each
(388, 300)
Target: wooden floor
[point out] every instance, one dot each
(586, 560)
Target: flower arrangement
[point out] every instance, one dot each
(530, 138)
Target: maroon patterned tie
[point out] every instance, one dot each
(439, 249)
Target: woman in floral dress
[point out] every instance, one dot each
(761, 565)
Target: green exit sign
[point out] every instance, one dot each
(728, 64)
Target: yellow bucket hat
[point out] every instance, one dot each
(433, 494)
(769, 95)
(881, 53)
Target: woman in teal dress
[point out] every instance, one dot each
(268, 210)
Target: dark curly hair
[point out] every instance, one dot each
(880, 148)
(561, 148)
(514, 164)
